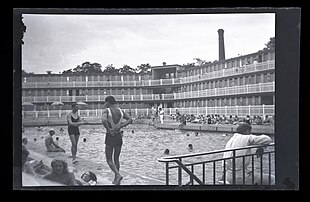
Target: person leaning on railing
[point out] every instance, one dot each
(243, 138)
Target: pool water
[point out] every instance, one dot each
(142, 145)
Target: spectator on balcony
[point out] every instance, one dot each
(50, 145)
(74, 121)
(243, 138)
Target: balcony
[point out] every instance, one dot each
(236, 90)
(155, 83)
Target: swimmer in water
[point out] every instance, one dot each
(190, 147)
(166, 151)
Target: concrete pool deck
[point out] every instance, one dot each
(104, 174)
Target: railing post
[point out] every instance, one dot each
(237, 110)
(172, 80)
(226, 110)
(36, 114)
(86, 97)
(123, 97)
(48, 113)
(87, 112)
(96, 112)
(167, 173)
(59, 112)
(263, 111)
(249, 110)
(206, 110)
(247, 88)
(180, 174)
(136, 110)
(161, 81)
(234, 167)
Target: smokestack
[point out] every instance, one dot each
(221, 44)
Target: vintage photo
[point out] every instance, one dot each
(162, 100)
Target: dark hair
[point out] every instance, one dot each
(110, 99)
(73, 105)
(65, 165)
(92, 175)
(243, 127)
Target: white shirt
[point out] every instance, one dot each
(239, 140)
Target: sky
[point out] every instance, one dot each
(61, 42)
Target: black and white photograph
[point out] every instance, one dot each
(155, 100)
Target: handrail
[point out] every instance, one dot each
(178, 159)
(175, 81)
(186, 170)
(236, 90)
(213, 152)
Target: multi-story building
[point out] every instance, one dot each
(244, 85)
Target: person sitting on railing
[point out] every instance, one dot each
(243, 138)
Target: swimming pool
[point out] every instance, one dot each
(142, 145)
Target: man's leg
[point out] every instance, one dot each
(117, 152)
(108, 154)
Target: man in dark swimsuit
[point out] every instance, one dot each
(74, 122)
(112, 118)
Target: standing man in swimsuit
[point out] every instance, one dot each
(112, 120)
(74, 121)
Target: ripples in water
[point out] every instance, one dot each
(140, 150)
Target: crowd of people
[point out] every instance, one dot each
(218, 119)
(113, 120)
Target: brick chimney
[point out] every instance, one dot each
(221, 44)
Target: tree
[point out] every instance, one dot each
(143, 68)
(110, 70)
(69, 71)
(86, 67)
(24, 73)
(126, 69)
(271, 45)
(200, 61)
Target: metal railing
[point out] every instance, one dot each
(213, 167)
(160, 82)
(241, 111)
(235, 90)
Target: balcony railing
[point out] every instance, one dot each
(208, 168)
(240, 111)
(245, 89)
(203, 77)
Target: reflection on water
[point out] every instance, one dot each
(142, 145)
